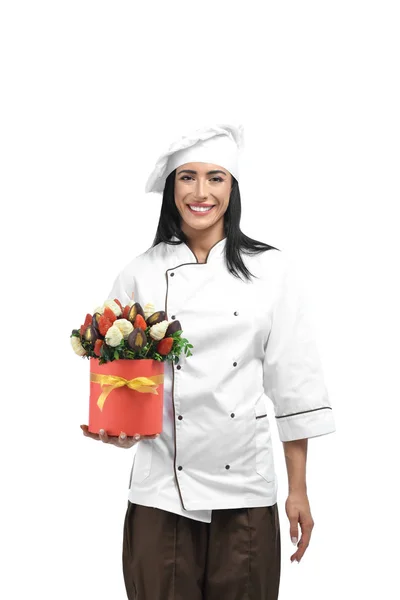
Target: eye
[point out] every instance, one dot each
(188, 177)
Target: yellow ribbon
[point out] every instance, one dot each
(146, 385)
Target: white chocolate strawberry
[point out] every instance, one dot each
(114, 307)
(124, 326)
(77, 346)
(149, 309)
(113, 336)
(157, 331)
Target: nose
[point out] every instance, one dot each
(201, 188)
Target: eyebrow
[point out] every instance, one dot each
(195, 172)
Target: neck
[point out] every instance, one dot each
(203, 240)
(200, 242)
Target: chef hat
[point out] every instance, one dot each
(217, 144)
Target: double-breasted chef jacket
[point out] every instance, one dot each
(253, 351)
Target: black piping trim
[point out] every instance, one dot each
(194, 254)
(173, 399)
(261, 416)
(303, 411)
(190, 250)
(173, 365)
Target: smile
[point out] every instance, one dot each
(198, 209)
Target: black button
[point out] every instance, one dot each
(227, 467)
(173, 317)
(236, 313)
(180, 417)
(232, 415)
(179, 468)
(172, 274)
(234, 364)
(179, 367)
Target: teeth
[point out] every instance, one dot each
(200, 209)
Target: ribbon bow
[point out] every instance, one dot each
(145, 385)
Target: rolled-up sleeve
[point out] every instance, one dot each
(293, 375)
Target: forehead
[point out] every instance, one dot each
(201, 168)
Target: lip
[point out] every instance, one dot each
(198, 204)
(201, 213)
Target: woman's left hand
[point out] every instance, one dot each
(298, 511)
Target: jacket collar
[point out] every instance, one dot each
(185, 254)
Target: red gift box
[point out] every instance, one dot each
(126, 395)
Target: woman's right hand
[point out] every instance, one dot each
(122, 441)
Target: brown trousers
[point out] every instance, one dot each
(170, 557)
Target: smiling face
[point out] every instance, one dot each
(200, 185)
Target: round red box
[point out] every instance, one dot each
(126, 409)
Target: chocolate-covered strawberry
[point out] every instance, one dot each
(173, 327)
(95, 320)
(156, 317)
(137, 339)
(91, 334)
(95, 325)
(135, 310)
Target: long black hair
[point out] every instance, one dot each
(169, 225)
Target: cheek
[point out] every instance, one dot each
(178, 197)
(224, 203)
(180, 193)
(223, 198)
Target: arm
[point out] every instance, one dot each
(294, 381)
(293, 374)
(297, 505)
(296, 458)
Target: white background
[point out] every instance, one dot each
(91, 93)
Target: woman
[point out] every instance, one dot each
(202, 520)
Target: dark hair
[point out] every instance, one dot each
(236, 241)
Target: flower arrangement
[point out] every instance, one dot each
(116, 332)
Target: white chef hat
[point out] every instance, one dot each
(217, 144)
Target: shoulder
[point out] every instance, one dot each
(280, 274)
(271, 264)
(280, 262)
(142, 261)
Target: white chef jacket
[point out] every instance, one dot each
(253, 343)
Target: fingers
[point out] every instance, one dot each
(306, 530)
(104, 436)
(87, 433)
(294, 533)
(127, 442)
(122, 440)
